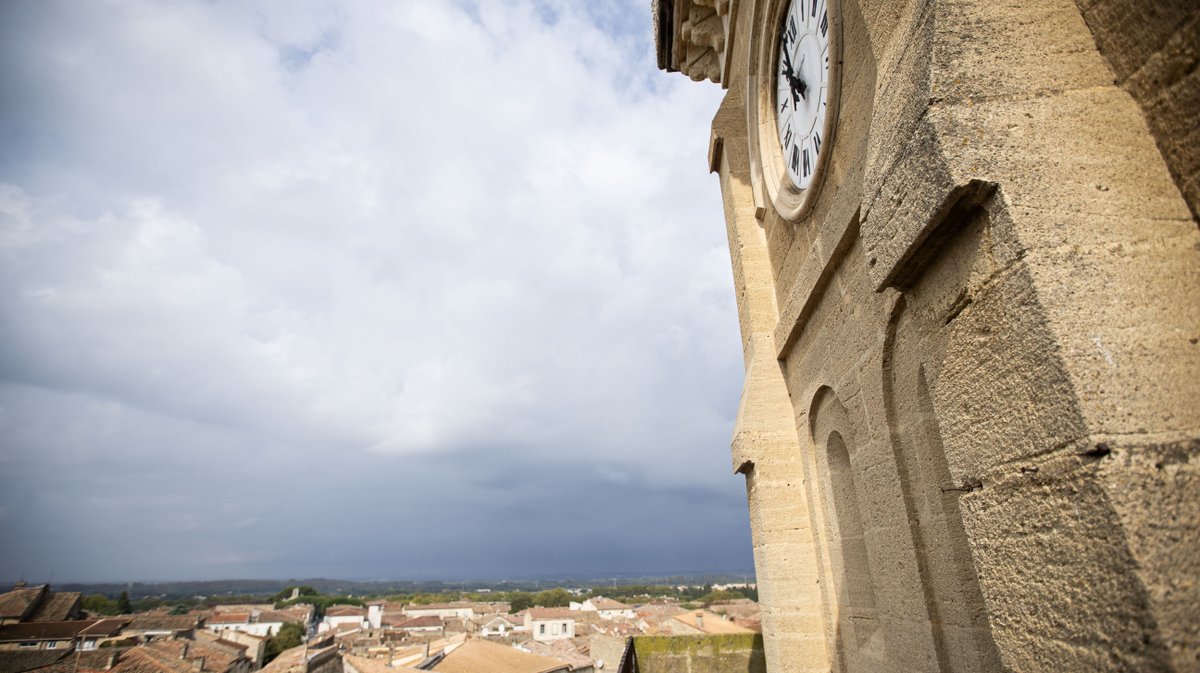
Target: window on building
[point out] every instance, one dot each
(565, 628)
(542, 630)
(28, 644)
(52, 645)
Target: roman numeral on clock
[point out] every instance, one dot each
(807, 166)
(816, 142)
(787, 137)
(790, 34)
(795, 158)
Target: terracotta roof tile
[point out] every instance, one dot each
(602, 603)
(162, 622)
(552, 613)
(82, 662)
(56, 606)
(18, 661)
(14, 604)
(346, 611)
(229, 618)
(44, 630)
(479, 655)
(421, 622)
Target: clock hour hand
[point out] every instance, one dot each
(797, 85)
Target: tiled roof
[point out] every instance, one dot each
(229, 618)
(345, 611)
(420, 622)
(287, 661)
(277, 616)
(365, 665)
(602, 603)
(105, 627)
(81, 662)
(170, 654)
(147, 658)
(301, 610)
(660, 609)
(14, 604)
(44, 630)
(162, 622)
(551, 613)
(56, 606)
(709, 622)
(479, 655)
(488, 619)
(562, 650)
(19, 661)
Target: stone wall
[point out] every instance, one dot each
(970, 426)
(699, 654)
(1154, 49)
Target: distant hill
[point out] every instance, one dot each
(207, 588)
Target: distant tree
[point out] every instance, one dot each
(714, 596)
(124, 607)
(286, 594)
(519, 600)
(553, 598)
(99, 604)
(290, 635)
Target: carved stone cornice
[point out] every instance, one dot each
(694, 37)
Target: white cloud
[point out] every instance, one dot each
(363, 228)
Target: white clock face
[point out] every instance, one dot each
(802, 87)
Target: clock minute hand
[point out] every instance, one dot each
(794, 81)
(800, 82)
(791, 76)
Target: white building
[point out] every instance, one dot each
(606, 608)
(546, 624)
(460, 610)
(500, 625)
(343, 616)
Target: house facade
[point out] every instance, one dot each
(546, 624)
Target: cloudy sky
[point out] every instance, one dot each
(359, 289)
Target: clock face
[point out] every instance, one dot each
(802, 87)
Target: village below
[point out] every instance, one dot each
(304, 629)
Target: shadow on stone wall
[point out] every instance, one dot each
(727, 653)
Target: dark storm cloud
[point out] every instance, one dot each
(359, 289)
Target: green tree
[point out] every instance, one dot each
(553, 598)
(286, 594)
(519, 600)
(124, 607)
(714, 596)
(289, 636)
(99, 604)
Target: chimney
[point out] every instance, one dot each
(700, 620)
(198, 664)
(183, 651)
(112, 660)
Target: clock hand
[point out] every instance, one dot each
(793, 82)
(799, 83)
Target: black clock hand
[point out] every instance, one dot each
(791, 76)
(797, 85)
(800, 82)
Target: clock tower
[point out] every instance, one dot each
(967, 266)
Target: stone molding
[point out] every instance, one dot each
(694, 37)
